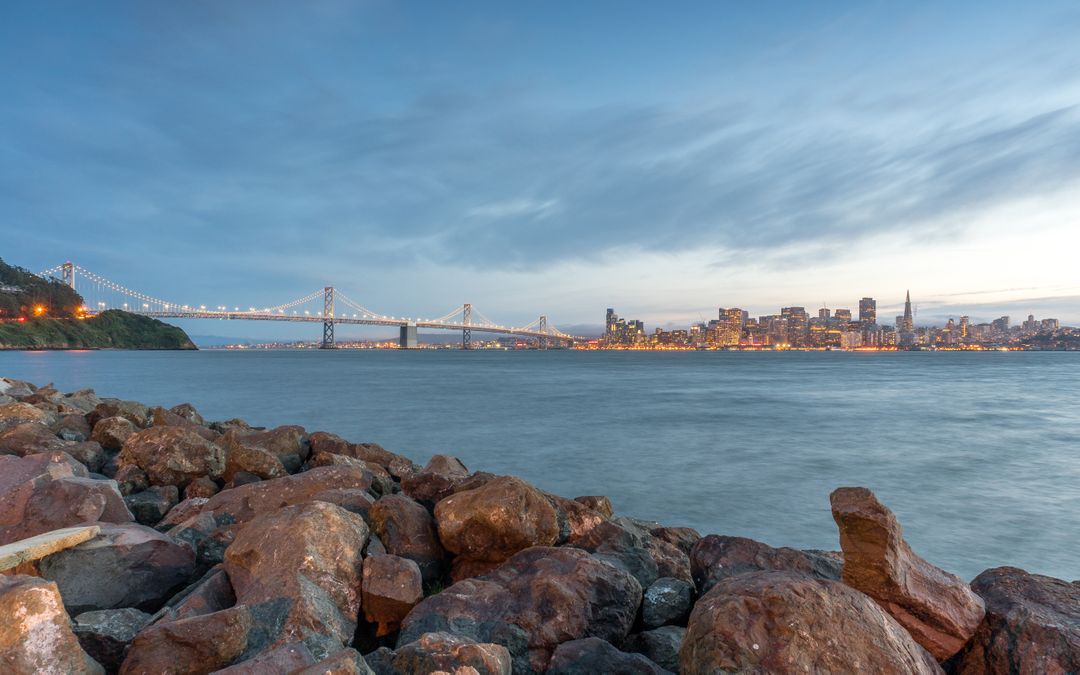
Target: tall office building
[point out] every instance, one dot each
(868, 311)
(909, 318)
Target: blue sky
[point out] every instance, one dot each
(664, 159)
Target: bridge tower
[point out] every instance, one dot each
(466, 333)
(328, 318)
(543, 329)
(68, 273)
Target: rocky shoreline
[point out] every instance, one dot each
(220, 547)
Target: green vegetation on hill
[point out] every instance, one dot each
(113, 329)
(37, 313)
(21, 291)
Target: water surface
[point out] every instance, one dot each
(977, 453)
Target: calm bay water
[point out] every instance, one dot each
(978, 454)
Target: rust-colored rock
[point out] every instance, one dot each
(575, 518)
(130, 479)
(172, 455)
(467, 568)
(939, 610)
(714, 558)
(309, 554)
(406, 529)
(288, 443)
(111, 432)
(391, 587)
(598, 503)
(30, 438)
(137, 413)
(436, 480)
(252, 459)
(448, 653)
(628, 544)
(35, 633)
(160, 417)
(13, 414)
(40, 493)
(495, 521)
(195, 645)
(201, 487)
(1032, 625)
(188, 412)
(531, 603)
(212, 593)
(787, 622)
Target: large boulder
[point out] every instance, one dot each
(252, 459)
(40, 493)
(106, 634)
(160, 417)
(438, 479)
(211, 593)
(1032, 625)
(715, 558)
(13, 414)
(111, 432)
(444, 652)
(288, 658)
(172, 455)
(135, 412)
(592, 655)
(391, 587)
(30, 438)
(289, 444)
(217, 519)
(309, 555)
(35, 633)
(939, 610)
(495, 521)
(531, 603)
(195, 645)
(126, 565)
(407, 529)
(787, 622)
(629, 545)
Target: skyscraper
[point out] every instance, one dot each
(868, 311)
(909, 319)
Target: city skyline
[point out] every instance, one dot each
(511, 155)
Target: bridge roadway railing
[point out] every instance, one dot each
(307, 318)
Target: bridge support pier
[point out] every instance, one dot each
(328, 319)
(407, 340)
(466, 334)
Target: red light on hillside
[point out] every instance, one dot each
(22, 319)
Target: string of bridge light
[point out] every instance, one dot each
(364, 312)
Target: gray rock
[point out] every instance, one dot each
(151, 505)
(593, 655)
(126, 565)
(105, 634)
(660, 645)
(667, 601)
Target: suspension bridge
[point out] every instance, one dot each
(327, 306)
